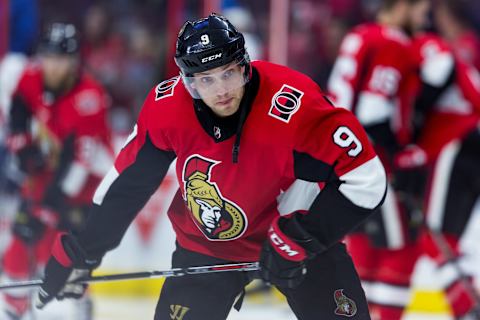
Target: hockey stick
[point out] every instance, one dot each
(447, 251)
(175, 272)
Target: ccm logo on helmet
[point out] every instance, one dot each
(277, 241)
(212, 57)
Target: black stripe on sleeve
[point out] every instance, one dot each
(126, 196)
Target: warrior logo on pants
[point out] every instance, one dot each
(178, 311)
(345, 306)
(218, 218)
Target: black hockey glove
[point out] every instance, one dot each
(67, 263)
(31, 159)
(285, 253)
(27, 228)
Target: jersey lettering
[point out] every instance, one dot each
(345, 138)
(385, 80)
(205, 39)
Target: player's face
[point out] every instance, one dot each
(419, 16)
(58, 69)
(221, 88)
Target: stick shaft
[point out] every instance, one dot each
(175, 272)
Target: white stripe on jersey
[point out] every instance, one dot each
(365, 185)
(75, 179)
(436, 69)
(374, 108)
(441, 179)
(103, 187)
(385, 294)
(299, 196)
(391, 220)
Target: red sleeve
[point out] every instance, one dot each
(340, 180)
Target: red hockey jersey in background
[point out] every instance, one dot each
(457, 111)
(372, 77)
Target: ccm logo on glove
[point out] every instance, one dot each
(284, 246)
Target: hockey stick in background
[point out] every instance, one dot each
(447, 251)
(175, 272)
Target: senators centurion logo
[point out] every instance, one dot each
(217, 217)
(345, 306)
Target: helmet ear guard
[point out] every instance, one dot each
(209, 43)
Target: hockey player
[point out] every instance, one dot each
(448, 139)
(58, 132)
(255, 142)
(373, 76)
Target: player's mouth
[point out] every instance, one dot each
(225, 102)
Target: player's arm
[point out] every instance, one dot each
(138, 171)
(340, 183)
(84, 154)
(437, 72)
(19, 139)
(351, 177)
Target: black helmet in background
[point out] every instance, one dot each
(59, 38)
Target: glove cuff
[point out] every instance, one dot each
(69, 253)
(59, 253)
(285, 246)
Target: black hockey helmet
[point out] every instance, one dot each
(60, 38)
(209, 43)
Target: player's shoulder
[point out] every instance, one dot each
(30, 80)
(88, 81)
(32, 72)
(367, 34)
(428, 43)
(378, 33)
(291, 96)
(167, 100)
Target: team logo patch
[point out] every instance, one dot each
(217, 217)
(285, 103)
(165, 88)
(345, 306)
(88, 102)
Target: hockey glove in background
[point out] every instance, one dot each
(286, 251)
(31, 159)
(67, 263)
(27, 227)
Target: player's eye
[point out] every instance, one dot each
(206, 80)
(228, 74)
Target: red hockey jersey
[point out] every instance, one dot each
(293, 142)
(457, 110)
(79, 116)
(372, 76)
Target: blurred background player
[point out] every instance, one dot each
(454, 21)
(373, 76)
(447, 143)
(59, 134)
